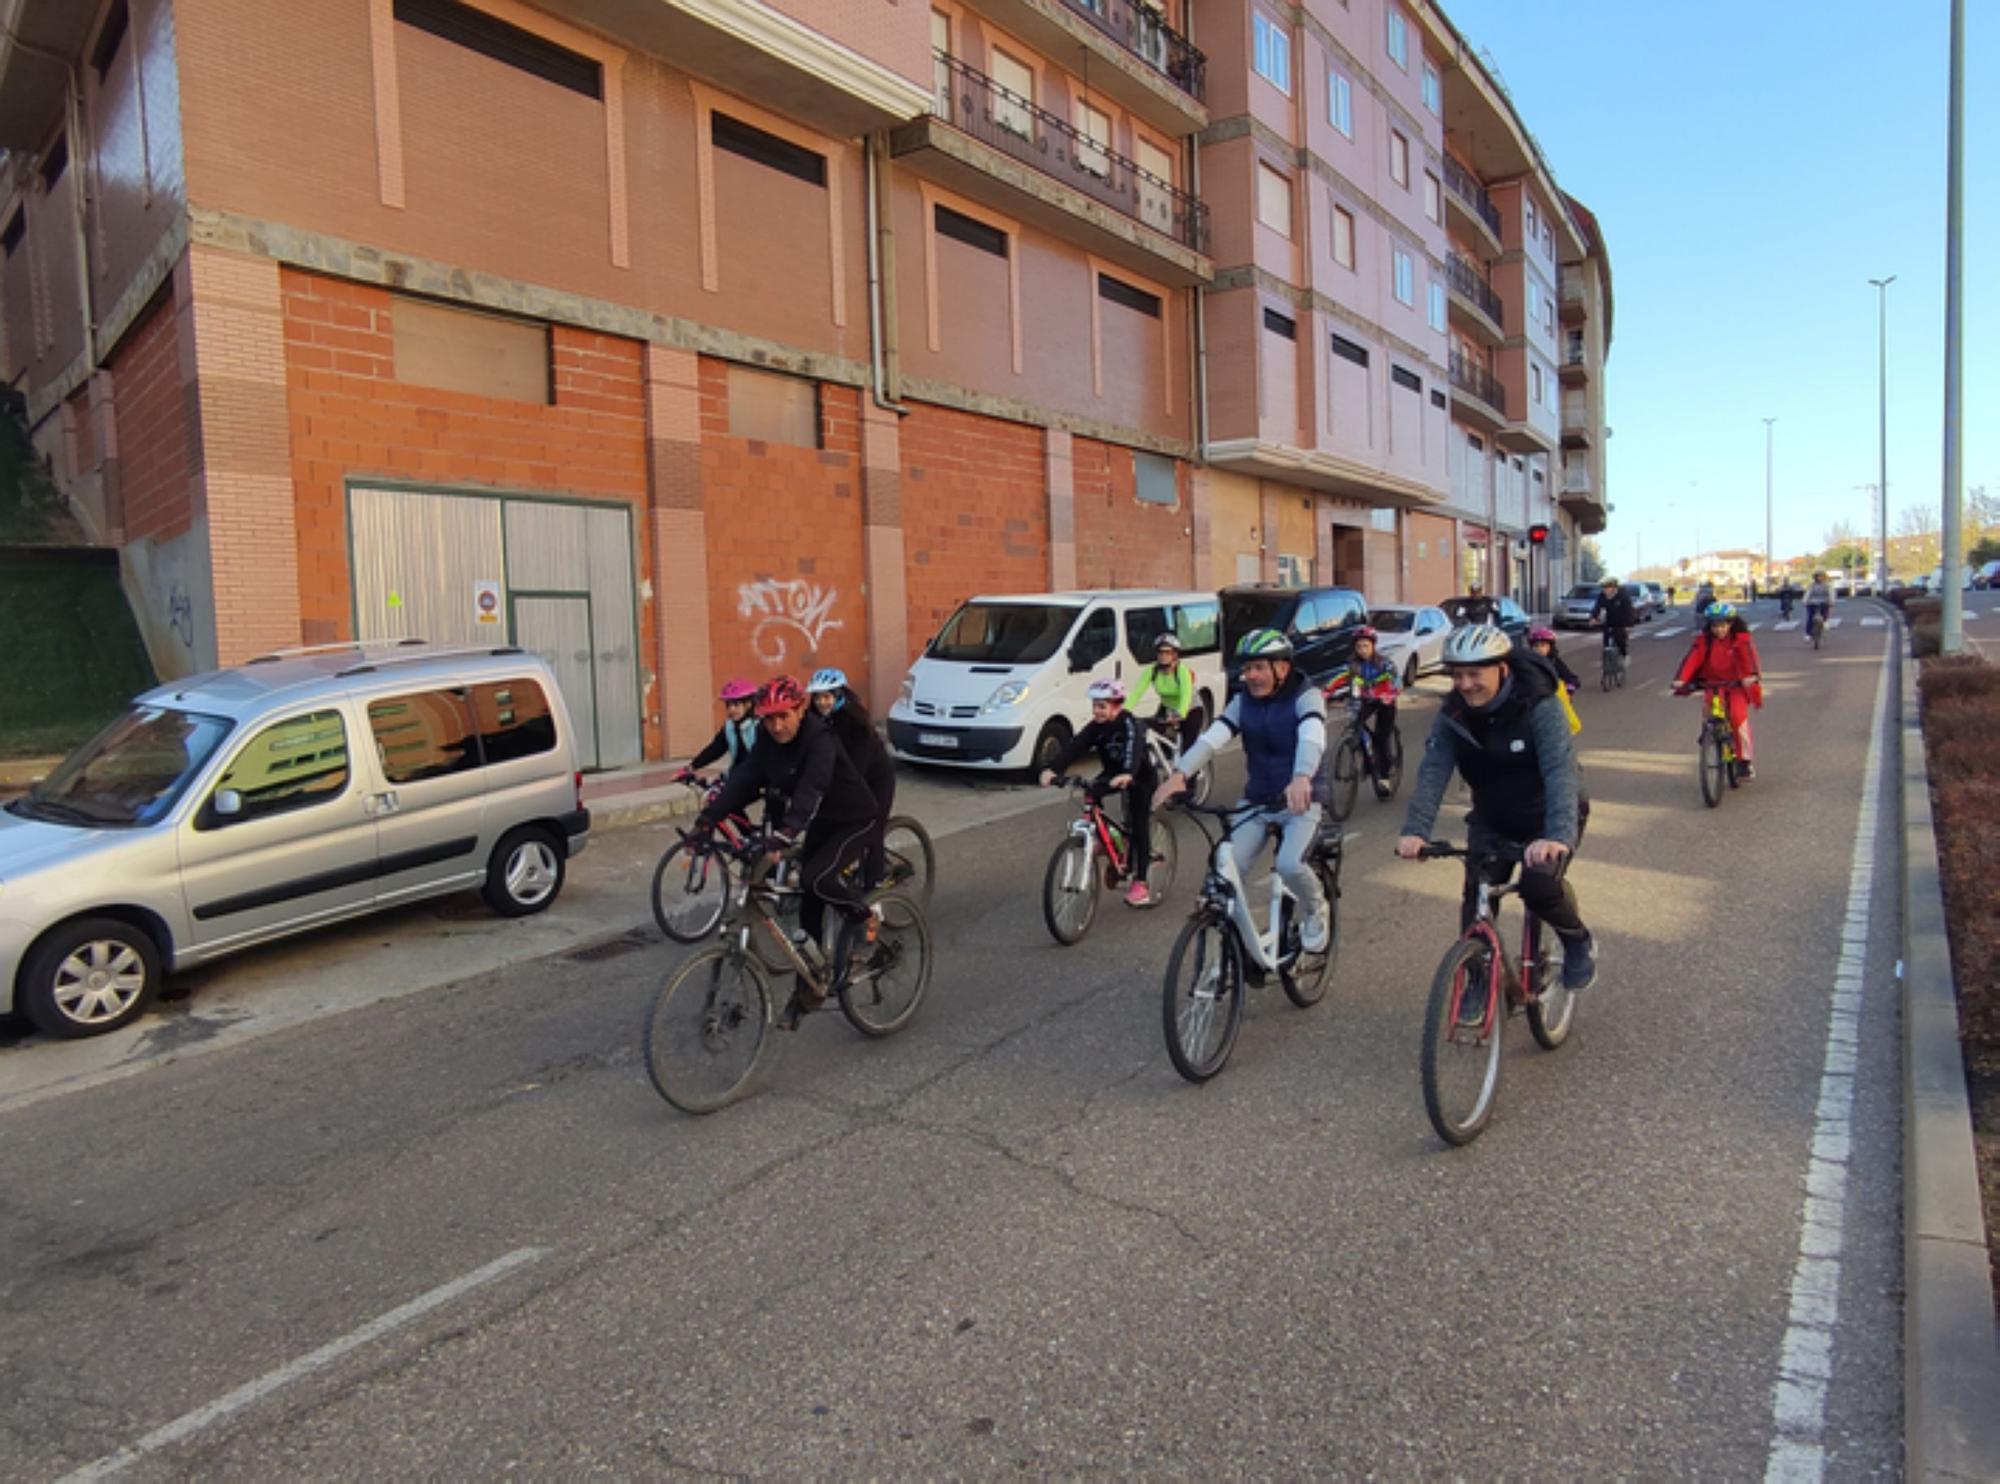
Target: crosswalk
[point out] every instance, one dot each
(1873, 623)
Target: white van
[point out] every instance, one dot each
(1004, 684)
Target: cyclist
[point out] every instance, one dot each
(1788, 594)
(1372, 685)
(1119, 740)
(1613, 609)
(1504, 732)
(1173, 682)
(1543, 642)
(814, 788)
(1819, 599)
(840, 708)
(738, 734)
(1280, 717)
(1723, 652)
(1477, 607)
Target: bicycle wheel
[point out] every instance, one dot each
(912, 858)
(1554, 1006)
(1461, 1064)
(1202, 1003)
(690, 892)
(1166, 861)
(1619, 673)
(883, 990)
(1818, 630)
(1605, 679)
(1712, 765)
(707, 1029)
(1346, 778)
(1308, 975)
(1392, 768)
(1069, 892)
(1201, 783)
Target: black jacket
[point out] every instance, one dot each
(812, 774)
(1120, 745)
(1516, 756)
(863, 745)
(1616, 611)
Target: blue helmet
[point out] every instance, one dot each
(829, 681)
(1719, 612)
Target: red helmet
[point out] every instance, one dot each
(1541, 635)
(1365, 632)
(783, 694)
(739, 689)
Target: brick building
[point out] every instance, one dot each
(695, 338)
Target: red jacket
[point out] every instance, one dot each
(1733, 657)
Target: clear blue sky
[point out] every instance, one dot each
(1753, 165)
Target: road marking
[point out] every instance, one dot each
(255, 1391)
(1667, 633)
(1873, 623)
(1805, 1361)
(1833, 623)
(1783, 625)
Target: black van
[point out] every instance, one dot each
(1320, 622)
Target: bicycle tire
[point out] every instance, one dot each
(1468, 956)
(1306, 986)
(1711, 764)
(1622, 663)
(1201, 783)
(1392, 772)
(1553, 1010)
(677, 1056)
(1069, 892)
(881, 1002)
(1818, 631)
(699, 915)
(1346, 778)
(1166, 862)
(1215, 985)
(912, 858)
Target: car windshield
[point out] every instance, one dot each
(1583, 590)
(1002, 633)
(1242, 612)
(1394, 620)
(129, 773)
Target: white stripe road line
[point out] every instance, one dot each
(1833, 623)
(255, 1391)
(1752, 628)
(1783, 625)
(1805, 1361)
(1873, 623)
(1666, 633)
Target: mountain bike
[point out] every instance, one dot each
(712, 1019)
(1094, 856)
(1715, 749)
(1816, 623)
(1222, 952)
(1163, 741)
(1612, 675)
(1474, 981)
(1353, 755)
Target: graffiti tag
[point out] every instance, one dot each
(780, 606)
(180, 615)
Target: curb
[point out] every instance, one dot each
(1951, 1342)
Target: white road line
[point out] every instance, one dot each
(1752, 628)
(1805, 1361)
(1833, 623)
(255, 1391)
(1784, 624)
(1873, 623)
(1666, 633)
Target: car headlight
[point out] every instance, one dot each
(907, 692)
(1009, 694)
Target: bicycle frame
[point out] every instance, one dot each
(1510, 981)
(1098, 834)
(1225, 891)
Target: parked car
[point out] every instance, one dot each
(1320, 621)
(1644, 608)
(292, 791)
(1574, 608)
(1509, 615)
(1412, 636)
(1004, 684)
(1660, 603)
(1935, 582)
(1987, 576)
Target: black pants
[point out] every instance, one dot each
(1546, 892)
(1380, 719)
(1138, 822)
(828, 850)
(883, 786)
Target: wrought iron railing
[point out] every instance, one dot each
(1476, 381)
(1459, 181)
(1139, 29)
(1466, 280)
(971, 101)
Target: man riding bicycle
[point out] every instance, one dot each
(1372, 685)
(1613, 609)
(1280, 717)
(1119, 740)
(1819, 602)
(1504, 732)
(1173, 682)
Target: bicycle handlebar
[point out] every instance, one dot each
(1438, 850)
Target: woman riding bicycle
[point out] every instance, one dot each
(1372, 685)
(840, 708)
(738, 734)
(1819, 602)
(1723, 655)
(1119, 740)
(1172, 681)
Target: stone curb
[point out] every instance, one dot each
(1951, 1342)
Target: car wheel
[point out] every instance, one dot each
(525, 872)
(1048, 747)
(89, 976)
(1410, 673)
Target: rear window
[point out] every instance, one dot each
(1393, 620)
(1242, 612)
(514, 720)
(430, 735)
(1583, 590)
(1002, 633)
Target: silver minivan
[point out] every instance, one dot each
(298, 789)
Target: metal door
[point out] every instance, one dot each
(558, 628)
(418, 558)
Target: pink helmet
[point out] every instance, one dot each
(1541, 636)
(738, 689)
(1107, 690)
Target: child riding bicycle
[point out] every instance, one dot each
(1725, 656)
(1119, 740)
(1371, 685)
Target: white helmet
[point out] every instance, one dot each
(1107, 690)
(1477, 644)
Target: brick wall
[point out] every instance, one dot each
(1119, 541)
(155, 455)
(975, 513)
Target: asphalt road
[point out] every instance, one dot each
(1011, 1240)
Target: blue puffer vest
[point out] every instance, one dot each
(1270, 738)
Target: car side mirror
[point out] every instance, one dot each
(228, 803)
(1078, 662)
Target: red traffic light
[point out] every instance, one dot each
(1537, 535)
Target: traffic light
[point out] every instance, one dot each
(1537, 535)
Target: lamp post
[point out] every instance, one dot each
(1767, 498)
(1882, 422)
(1951, 635)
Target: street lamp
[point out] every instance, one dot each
(1767, 497)
(1882, 417)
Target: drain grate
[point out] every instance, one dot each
(631, 942)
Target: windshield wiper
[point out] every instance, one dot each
(57, 809)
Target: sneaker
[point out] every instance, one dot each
(1139, 895)
(1472, 1004)
(1745, 772)
(1579, 962)
(1314, 934)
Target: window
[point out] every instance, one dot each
(1399, 159)
(430, 735)
(1433, 90)
(1535, 385)
(1155, 182)
(753, 143)
(1094, 124)
(941, 72)
(1343, 236)
(1120, 292)
(1549, 312)
(1407, 379)
(1279, 324)
(54, 163)
(1199, 626)
(773, 408)
(1548, 238)
(492, 37)
(1013, 110)
(1096, 639)
(10, 236)
(108, 39)
(1437, 305)
(1155, 479)
(1437, 398)
(1406, 278)
(514, 720)
(1340, 103)
(1533, 230)
(1399, 39)
(961, 228)
(1273, 56)
(300, 762)
(1433, 197)
(1347, 350)
(469, 350)
(1274, 200)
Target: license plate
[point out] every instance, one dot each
(937, 739)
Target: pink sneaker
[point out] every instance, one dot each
(1138, 896)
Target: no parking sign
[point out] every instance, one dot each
(486, 602)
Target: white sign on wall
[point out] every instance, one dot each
(485, 602)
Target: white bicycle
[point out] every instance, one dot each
(1163, 741)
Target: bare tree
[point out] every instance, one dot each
(1917, 520)
(1842, 533)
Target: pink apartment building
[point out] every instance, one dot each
(717, 336)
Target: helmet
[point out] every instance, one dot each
(1108, 690)
(1719, 611)
(823, 680)
(1264, 644)
(1541, 635)
(1167, 640)
(739, 689)
(1477, 644)
(1366, 631)
(782, 694)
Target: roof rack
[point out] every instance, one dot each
(368, 667)
(271, 657)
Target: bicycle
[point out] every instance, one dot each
(1815, 623)
(1355, 752)
(1163, 741)
(1473, 980)
(1612, 675)
(1715, 749)
(1094, 856)
(1221, 951)
(711, 1020)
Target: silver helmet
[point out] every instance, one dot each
(1477, 644)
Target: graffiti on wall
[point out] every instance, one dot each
(784, 612)
(180, 615)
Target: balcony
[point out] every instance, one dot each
(992, 145)
(1467, 197)
(1123, 47)
(1570, 297)
(1575, 367)
(1581, 500)
(1477, 392)
(1474, 306)
(1579, 428)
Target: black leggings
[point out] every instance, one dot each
(824, 858)
(1546, 892)
(1138, 823)
(1380, 719)
(883, 786)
